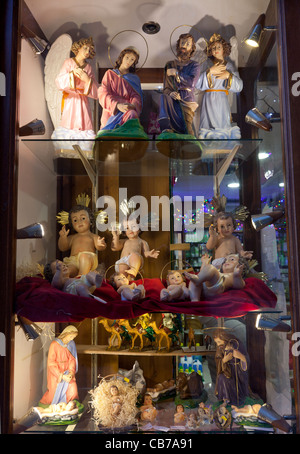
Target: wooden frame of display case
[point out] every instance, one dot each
(288, 17)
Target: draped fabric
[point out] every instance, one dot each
(38, 301)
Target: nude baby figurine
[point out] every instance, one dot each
(133, 248)
(83, 244)
(211, 282)
(222, 241)
(128, 291)
(58, 274)
(177, 289)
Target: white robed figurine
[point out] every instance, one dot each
(218, 80)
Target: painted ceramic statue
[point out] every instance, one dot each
(217, 81)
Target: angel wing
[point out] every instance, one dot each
(59, 52)
(234, 58)
(234, 54)
(199, 56)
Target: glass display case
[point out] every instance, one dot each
(153, 363)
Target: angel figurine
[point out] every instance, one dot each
(217, 82)
(77, 82)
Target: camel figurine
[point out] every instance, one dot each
(133, 332)
(115, 330)
(162, 334)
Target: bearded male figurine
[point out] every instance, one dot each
(177, 103)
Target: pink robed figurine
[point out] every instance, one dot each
(77, 82)
(120, 93)
(61, 369)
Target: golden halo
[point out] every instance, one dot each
(112, 266)
(184, 25)
(172, 261)
(123, 31)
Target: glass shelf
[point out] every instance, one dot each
(142, 157)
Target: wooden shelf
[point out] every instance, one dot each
(102, 350)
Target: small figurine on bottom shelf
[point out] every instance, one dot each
(116, 400)
(83, 244)
(218, 81)
(211, 282)
(128, 291)
(58, 274)
(232, 368)
(222, 416)
(179, 415)
(176, 290)
(222, 241)
(61, 369)
(148, 411)
(132, 249)
(205, 414)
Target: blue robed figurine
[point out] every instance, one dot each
(219, 79)
(177, 103)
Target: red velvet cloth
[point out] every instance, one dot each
(38, 301)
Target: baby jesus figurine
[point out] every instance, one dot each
(211, 282)
(128, 291)
(148, 411)
(116, 400)
(179, 415)
(58, 274)
(176, 290)
(222, 241)
(133, 248)
(83, 244)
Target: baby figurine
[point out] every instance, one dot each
(83, 244)
(132, 249)
(177, 289)
(213, 282)
(128, 292)
(222, 241)
(58, 274)
(116, 400)
(148, 411)
(179, 416)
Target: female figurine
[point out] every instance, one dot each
(217, 81)
(61, 368)
(232, 362)
(120, 93)
(77, 82)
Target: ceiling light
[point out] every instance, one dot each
(37, 44)
(263, 155)
(31, 231)
(260, 221)
(233, 185)
(281, 185)
(33, 128)
(265, 322)
(254, 36)
(151, 28)
(256, 118)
